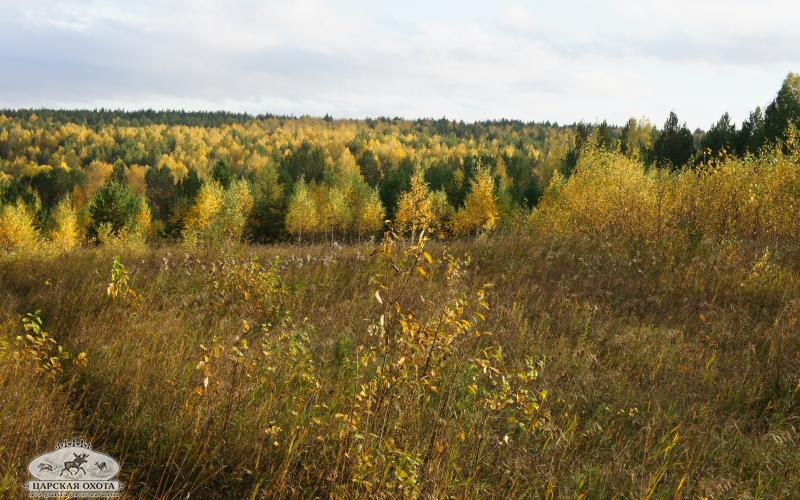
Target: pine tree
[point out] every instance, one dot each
(115, 206)
(752, 135)
(675, 145)
(720, 138)
(784, 110)
(160, 189)
(266, 219)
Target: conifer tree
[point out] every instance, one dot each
(266, 218)
(784, 111)
(114, 206)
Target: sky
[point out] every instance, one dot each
(555, 60)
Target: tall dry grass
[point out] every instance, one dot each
(638, 337)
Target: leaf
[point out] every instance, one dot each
(378, 297)
(427, 257)
(422, 271)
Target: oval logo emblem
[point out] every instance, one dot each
(74, 469)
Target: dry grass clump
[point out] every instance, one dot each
(36, 378)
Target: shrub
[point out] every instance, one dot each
(17, 230)
(65, 235)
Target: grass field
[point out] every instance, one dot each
(637, 336)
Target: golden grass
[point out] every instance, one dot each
(637, 338)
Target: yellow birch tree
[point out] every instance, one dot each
(415, 207)
(480, 212)
(301, 214)
(65, 235)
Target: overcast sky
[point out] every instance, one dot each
(550, 60)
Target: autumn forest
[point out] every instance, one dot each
(237, 306)
(108, 174)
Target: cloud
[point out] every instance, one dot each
(466, 60)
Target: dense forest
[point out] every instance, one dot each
(94, 176)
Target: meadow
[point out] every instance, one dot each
(633, 335)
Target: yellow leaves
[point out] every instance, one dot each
(17, 230)
(39, 349)
(65, 235)
(415, 208)
(480, 211)
(301, 214)
(422, 271)
(370, 213)
(219, 213)
(82, 359)
(119, 284)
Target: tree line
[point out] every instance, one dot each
(208, 175)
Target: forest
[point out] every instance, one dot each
(239, 306)
(93, 176)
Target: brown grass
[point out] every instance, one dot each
(632, 358)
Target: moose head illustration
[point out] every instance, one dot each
(80, 459)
